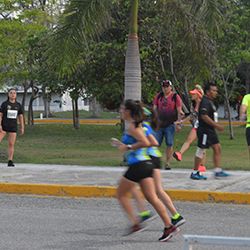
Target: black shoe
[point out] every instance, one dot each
(167, 167)
(178, 222)
(169, 233)
(10, 164)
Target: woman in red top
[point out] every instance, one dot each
(197, 94)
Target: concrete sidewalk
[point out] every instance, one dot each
(90, 181)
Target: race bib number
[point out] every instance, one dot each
(12, 114)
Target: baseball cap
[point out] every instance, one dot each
(166, 83)
(195, 91)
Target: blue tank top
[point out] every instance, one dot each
(136, 155)
(153, 151)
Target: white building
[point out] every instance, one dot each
(57, 104)
(221, 111)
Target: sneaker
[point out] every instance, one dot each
(148, 217)
(169, 233)
(177, 156)
(10, 164)
(221, 174)
(178, 222)
(136, 229)
(202, 168)
(197, 176)
(167, 167)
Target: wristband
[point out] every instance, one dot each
(181, 122)
(129, 147)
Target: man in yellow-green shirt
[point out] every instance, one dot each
(245, 112)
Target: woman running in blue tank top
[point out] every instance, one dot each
(140, 170)
(152, 123)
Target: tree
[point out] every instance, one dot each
(180, 47)
(103, 73)
(22, 23)
(17, 55)
(132, 62)
(86, 20)
(232, 51)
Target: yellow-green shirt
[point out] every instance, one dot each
(246, 101)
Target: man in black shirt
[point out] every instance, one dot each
(207, 136)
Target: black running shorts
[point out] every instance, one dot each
(248, 136)
(139, 171)
(9, 130)
(206, 137)
(156, 162)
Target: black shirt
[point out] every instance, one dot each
(208, 108)
(10, 112)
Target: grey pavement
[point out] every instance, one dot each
(40, 223)
(177, 179)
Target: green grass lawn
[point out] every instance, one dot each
(90, 146)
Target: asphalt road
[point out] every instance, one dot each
(42, 222)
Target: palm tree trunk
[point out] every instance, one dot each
(132, 69)
(132, 62)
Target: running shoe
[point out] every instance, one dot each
(221, 174)
(202, 168)
(177, 156)
(167, 167)
(136, 229)
(197, 176)
(147, 217)
(178, 222)
(10, 164)
(169, 233)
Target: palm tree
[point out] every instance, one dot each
(87, 19)
(132, 63)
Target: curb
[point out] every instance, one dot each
(58, 190)
(110, 192)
